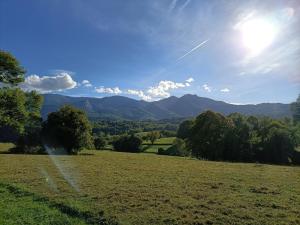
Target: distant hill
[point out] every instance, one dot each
(119, 107)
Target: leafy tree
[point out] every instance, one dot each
(30, 141)
(208, 134)
(278, 147)
(178, 148)
(128, 143)
(99, 142)
(68, 128)
(237, 140)
(184, 130)
(295, 106)
(13, 114)
(10, 70)
(153, 136)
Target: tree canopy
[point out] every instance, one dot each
(68, 128)
(11, 72)
(241, 138)
(295, 106)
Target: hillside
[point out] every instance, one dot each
(119, 107)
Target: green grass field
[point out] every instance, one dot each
(144, 188)
(162, 141)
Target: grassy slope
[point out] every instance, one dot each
(17, 207)
(151, 189)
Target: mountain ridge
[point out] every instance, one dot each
(121, 107)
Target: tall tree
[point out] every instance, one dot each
(13, 114)
(68, 128)
(208, 135)
(11, 72)
(295, 106)
(184, 130)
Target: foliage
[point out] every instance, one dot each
(13, 115)
(295, 107)
(99, 142)
(68, 128)
(128, 143)
(208, 135)
(242, 138)
(177, 149)
(184, 130)
(153, 136)
(30, 141)
(10, 70)
(117, 127)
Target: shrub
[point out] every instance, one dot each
(99, 143)
(178, 148)
(128, 143)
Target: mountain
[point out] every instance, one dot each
(119, 107)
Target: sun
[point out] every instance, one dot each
(257, 34)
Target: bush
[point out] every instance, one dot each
(128, 143)
(99, 143)
(177, 149)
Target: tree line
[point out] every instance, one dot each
(242, 138)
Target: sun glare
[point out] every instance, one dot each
(258, 34)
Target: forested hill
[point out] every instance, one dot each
(119, 107)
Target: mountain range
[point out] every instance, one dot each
(120, 107)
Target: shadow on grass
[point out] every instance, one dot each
(88, 217)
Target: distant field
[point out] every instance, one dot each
(146, 189)
(4, 147)
(162, 141)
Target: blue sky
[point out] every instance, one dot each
(235, 51)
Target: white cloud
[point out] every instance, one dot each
(45, 84)
(225, 90)
(140, 94)
(86, 83)
(190, 80)
(206, 87)
(115, 90)
(163, 88)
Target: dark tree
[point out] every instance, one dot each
(99, 143)
(68, 128)
(13, 115)
(128, 143)
(278, 147)
(10, 70)
(178, 148)
(184, 130)
(295, 106)
(208, 135)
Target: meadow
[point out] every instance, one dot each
(105, 187)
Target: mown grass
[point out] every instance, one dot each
(4, 147)
(21, 207)
(162, 141)
(151, 189)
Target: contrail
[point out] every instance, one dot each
(184, 5)
(172, 6)
(193, 49)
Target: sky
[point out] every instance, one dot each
(235, 51)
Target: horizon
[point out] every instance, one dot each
(231, 51)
